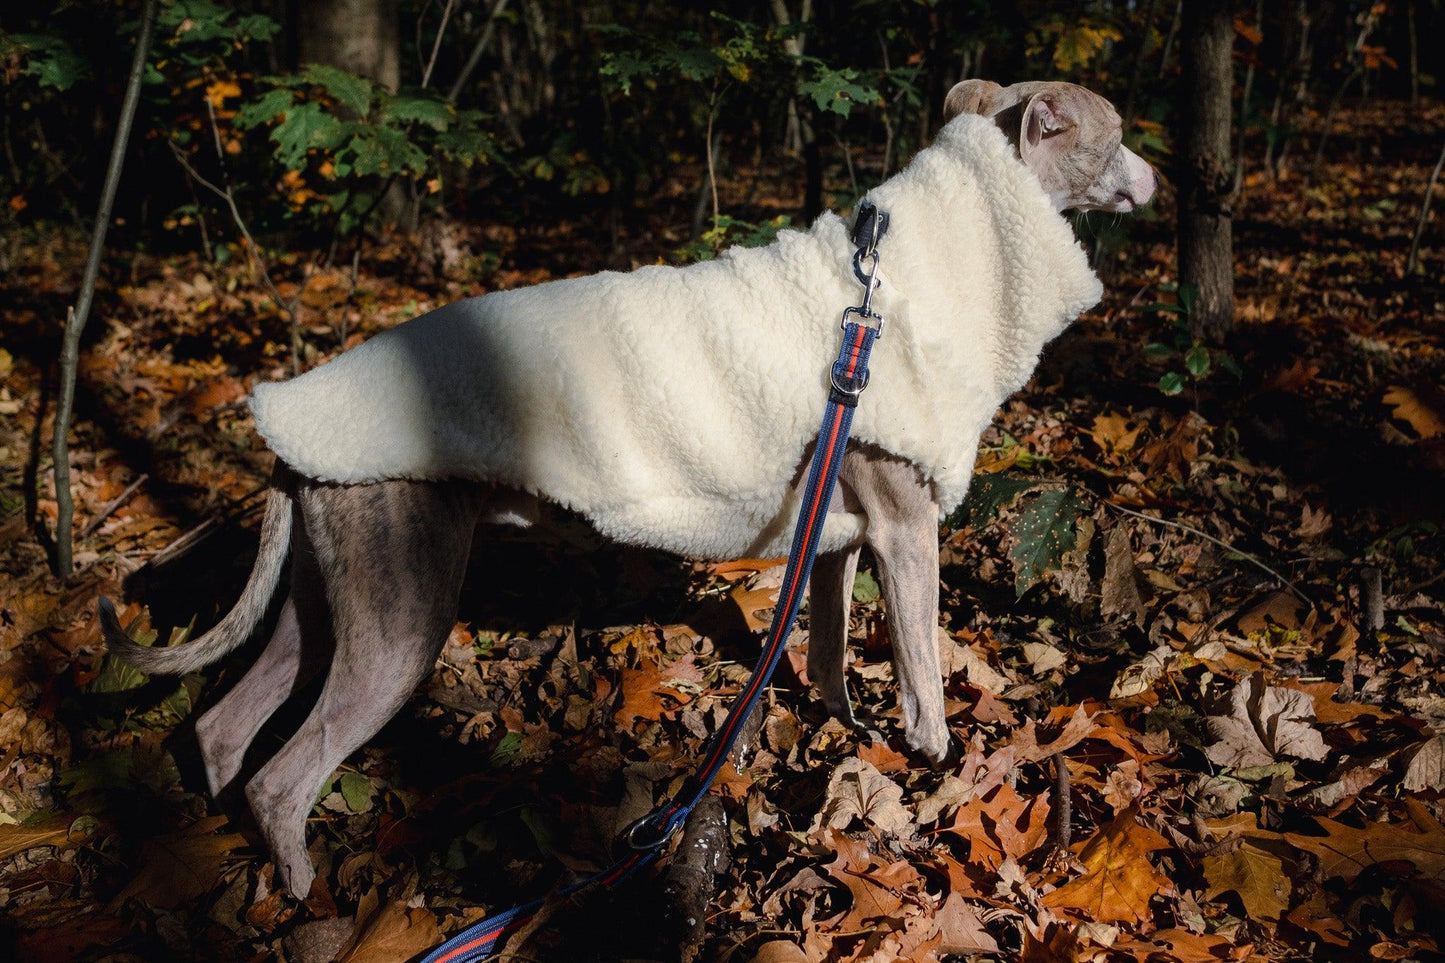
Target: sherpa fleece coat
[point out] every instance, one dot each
(672, 407)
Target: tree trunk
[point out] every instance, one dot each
(359, 36)
(1206, 248)
(362, 37)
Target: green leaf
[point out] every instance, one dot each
(507, 750)
(265, 109)
(1172, 383)
(1044, 532)
(52, 62)
(987, 494)
(306, 127)
(1158, 350)
(865, 588)
(431, 111)
(357, 790)
(351, 91)
(117, 675)
(838, 90)
(1196, 361)
(1188, 293)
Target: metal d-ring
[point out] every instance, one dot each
(629, 835)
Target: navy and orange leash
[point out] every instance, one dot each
(646, 837)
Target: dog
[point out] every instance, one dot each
(673, 408)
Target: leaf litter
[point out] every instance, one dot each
(1250, 775)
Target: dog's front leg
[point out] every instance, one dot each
(830, 593)
(903, 534)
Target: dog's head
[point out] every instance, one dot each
(1069, 136)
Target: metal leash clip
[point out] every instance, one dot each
(870, 226)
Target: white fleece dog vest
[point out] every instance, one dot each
(672, 407)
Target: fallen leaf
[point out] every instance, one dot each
(1000, 826)
(651, 690)
(1113, 435)
(1119, 592)
(856, 790)
(182, 865)
(1119, 880)
(49, 831)
(1424, 414)
(1426, 769)
(388, 932)
(1346, 851)
(1263, 723)
(1256, 875)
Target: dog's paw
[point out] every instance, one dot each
(932, 743)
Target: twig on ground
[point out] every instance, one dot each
(1063, 803)
(691, 878)
(1372, 601)
(112, 505)
(1253, 560)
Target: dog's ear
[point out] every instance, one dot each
(1048, 129)
(973, 97)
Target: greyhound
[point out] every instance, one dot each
(378, 552)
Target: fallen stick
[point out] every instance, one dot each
(112, 505)
(690, 880)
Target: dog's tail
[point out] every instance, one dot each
(238, 623)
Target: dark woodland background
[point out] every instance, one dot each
(1194, 611)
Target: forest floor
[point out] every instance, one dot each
(1253, 772)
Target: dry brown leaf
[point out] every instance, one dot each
(1025, 741)
(1346, 851)
(874, 898)
(386, 932)
(858, 791)
(1426, 770)
(650, 690)
(1257, 875)
(960, 932)
(1424, 414)
(1113, 435)
(182, 865)
(781, 951)
(53, 831)
(1264, 722)
(1000, 826)
(1120, 589)
(1119, 880)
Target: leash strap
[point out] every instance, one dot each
(646, 837)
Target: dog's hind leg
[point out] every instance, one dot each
(300, 645)
(392, 555)
(903, 534)
(830, 595)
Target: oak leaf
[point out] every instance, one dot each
(1346, 851)
(1119, 880)
(652, 689)
(1426, 415)
(1426, 770)
(182, 865)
